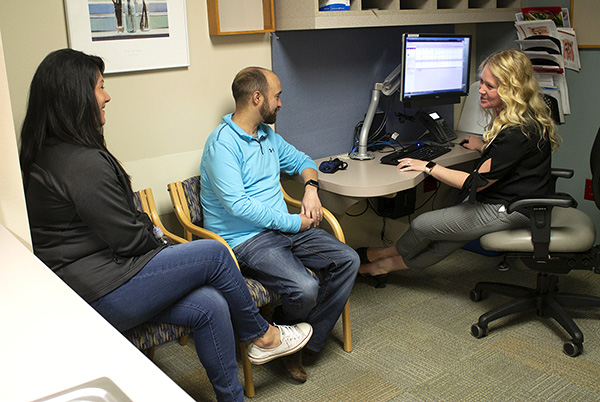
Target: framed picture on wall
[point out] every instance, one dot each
(130, 35)
(585, 15)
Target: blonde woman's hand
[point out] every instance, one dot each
(473, 142)
(408, 164)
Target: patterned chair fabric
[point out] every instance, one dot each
(191, 188)
(261, 295)
(148, 335)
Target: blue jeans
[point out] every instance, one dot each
(195, 284)
(279, 261)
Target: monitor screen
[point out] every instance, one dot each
(435, 69)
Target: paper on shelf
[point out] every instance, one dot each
(558, 81)
(539, 44)
(570, 49)
(525, 29)
(544, 59)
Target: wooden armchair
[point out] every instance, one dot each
(185, 197)
(148, 335)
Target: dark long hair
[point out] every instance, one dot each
(62, 104)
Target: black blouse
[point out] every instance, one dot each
(520, 163)
(84, 224)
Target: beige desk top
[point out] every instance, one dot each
(53, 340)
(371, 178)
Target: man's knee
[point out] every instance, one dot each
(305, 293)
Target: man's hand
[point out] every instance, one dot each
(307, 223)
(311, 206)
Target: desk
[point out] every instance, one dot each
(53, 340)
(370, 178)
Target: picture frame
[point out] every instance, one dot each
(585, 15)
(130, 35)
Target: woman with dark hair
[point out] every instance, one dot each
(85, 227)
(515, 160)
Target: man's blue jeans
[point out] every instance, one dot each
(196, 284)
(279, 261)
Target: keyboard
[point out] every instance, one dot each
(423, 152)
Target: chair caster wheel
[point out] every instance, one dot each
(478, 331)
(503, 266)
(475, 295)
(572, 349)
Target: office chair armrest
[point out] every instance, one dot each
(540, 216)
(548, 201)
(562, 173)
(559, 173)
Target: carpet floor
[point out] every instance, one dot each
(412, 342)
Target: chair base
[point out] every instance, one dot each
(544, 299)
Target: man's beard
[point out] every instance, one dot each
(268, 116)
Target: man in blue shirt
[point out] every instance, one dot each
(242, 201)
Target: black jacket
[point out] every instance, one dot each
(84, 223)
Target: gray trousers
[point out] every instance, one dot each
(434, 235)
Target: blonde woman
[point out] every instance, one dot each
(515, 161)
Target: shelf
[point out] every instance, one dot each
(305, 14)
(230, 17)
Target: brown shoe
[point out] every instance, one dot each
(293, 364)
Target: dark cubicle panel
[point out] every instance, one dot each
(327, 77)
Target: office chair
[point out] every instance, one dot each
(560, 239)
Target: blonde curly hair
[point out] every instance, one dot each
(522, 103)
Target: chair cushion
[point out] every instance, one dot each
(148, 334)
(191, 188)
(137, 201)
(261, 295)
(572, 231)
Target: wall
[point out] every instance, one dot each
(327, 78)
(580, 128)
(313, 64)
(13, 214)
(157, 121)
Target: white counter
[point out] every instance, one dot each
(51, 339)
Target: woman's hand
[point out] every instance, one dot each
(473, 142)
(408, 164)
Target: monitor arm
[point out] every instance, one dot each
(388, 87)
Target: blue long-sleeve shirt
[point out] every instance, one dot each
(241, 195)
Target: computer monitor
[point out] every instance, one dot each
(435, 69)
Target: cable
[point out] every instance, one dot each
(430, 197)
(377, 135)
(362, 213)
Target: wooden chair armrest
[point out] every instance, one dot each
(149, 207)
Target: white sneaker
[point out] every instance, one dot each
(293, 338)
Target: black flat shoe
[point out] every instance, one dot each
(362, 254)
(380, 280)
